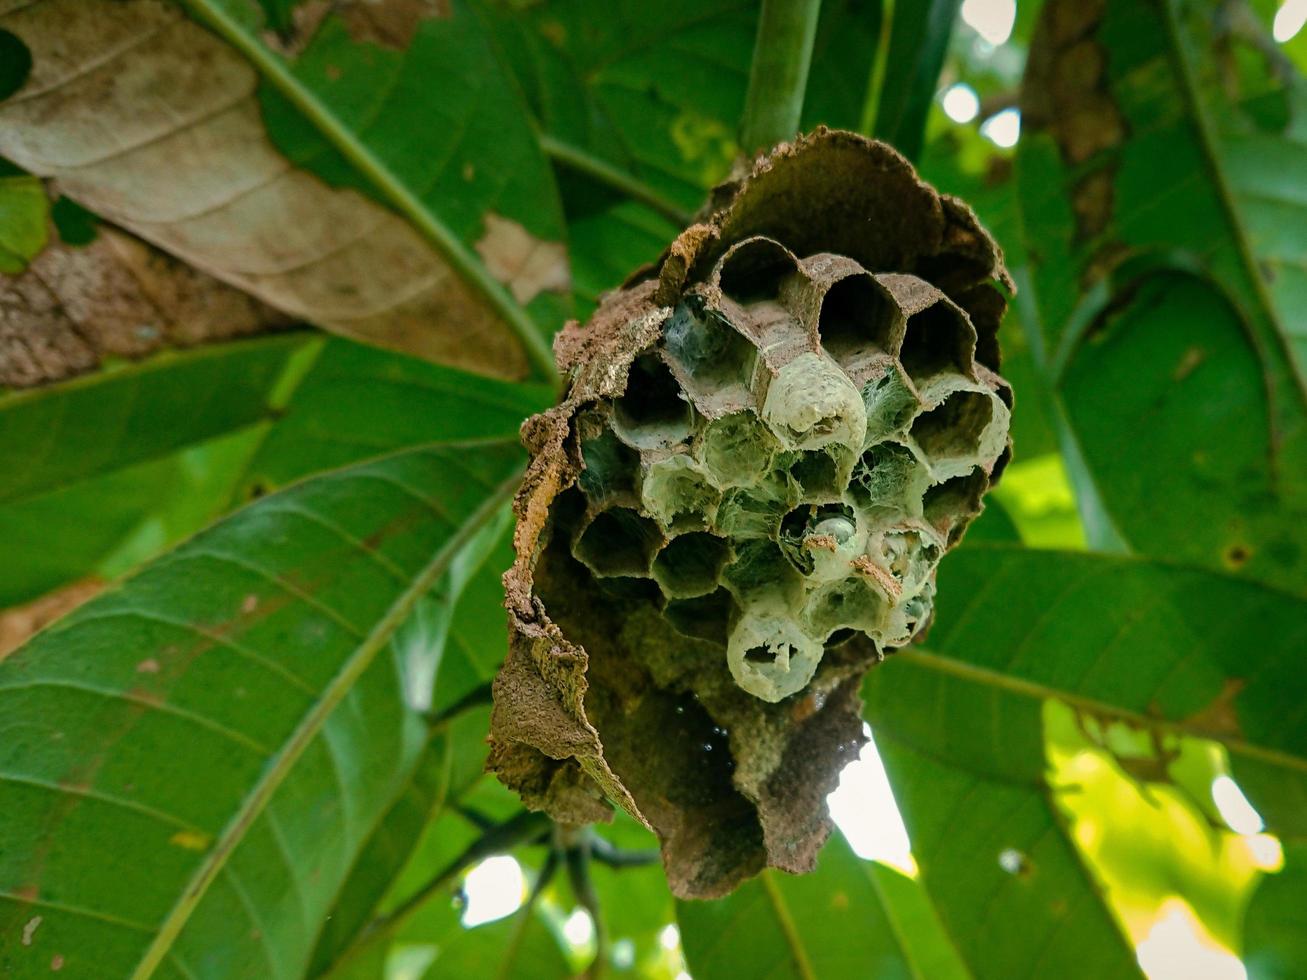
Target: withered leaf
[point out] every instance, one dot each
(149, 120)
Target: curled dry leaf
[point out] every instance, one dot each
(153, 123)
(116, 296)
(767, 445)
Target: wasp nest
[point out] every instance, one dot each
(768, 443)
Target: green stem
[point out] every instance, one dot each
(779, 77)
(592, 166)
(378, 172)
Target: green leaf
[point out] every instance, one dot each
(15, 64)
(848, 918)
(24, 210)
(1164, 224)
(105, 486)
(918, 42)
(1162, 649)
(1275, 928)
(264, 646)
(71, 432)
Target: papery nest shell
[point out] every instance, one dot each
(600, 701)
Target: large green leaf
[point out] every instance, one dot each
(1275, 932)
(264, 647)
(1161, 649)
(114, 472)
(918, 42)
(1163, 212)
(848, 918)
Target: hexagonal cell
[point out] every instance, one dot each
(910, 618)
(953, 429)
(737, 449)
(754, 269)
(768, 655)
(713, 353)
(811, 403)
(691, 564)
(822, 474)
(857, 319)
(909, 554)
(611, 467)
(756, 511)
(953, 504)
(618, 542)
(760, 566)
(891, 403)
(630, 589)
(836, 523)
(889, 476)
(939, 338)
(854, 603)
(705, 617)
(652, 412)
(678, 493)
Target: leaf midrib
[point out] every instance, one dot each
(371, 166)
(308, 729)
(1043, 692)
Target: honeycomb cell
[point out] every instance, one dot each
(853, 603)
(759, 566)
(812, 403)
(652, 412)
(678, 494)
(768, 654)
(691, 564)
(939, 338)
(715, 361)
(857, 320)
(891, 403)
(889, 477)
(755, 269)
(909, 553)
(756, 511)
(909, 618)
(737, 449)
(705, 617)
(950, 506)
(618, 542)
(816, 539)
(821, 474)
(610, 468)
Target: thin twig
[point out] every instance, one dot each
(779, 76)
(605, 852)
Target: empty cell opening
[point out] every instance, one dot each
(856, 318)
(737, 449)
(709, 348)
(954, 503)
(706, 617)
(887, 475)
(652, 411)
(619, 542)
(678, 494)
(890, 404)
(691, 565)
(754, 270)
(953, 429)
(817, 474)
(762, 655)
(630, 589)
(757, 511)
(759, 564)
(938, 339)
(851, 604)
(611, 467)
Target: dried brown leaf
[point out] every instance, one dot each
(147, 119)
(19, 623)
